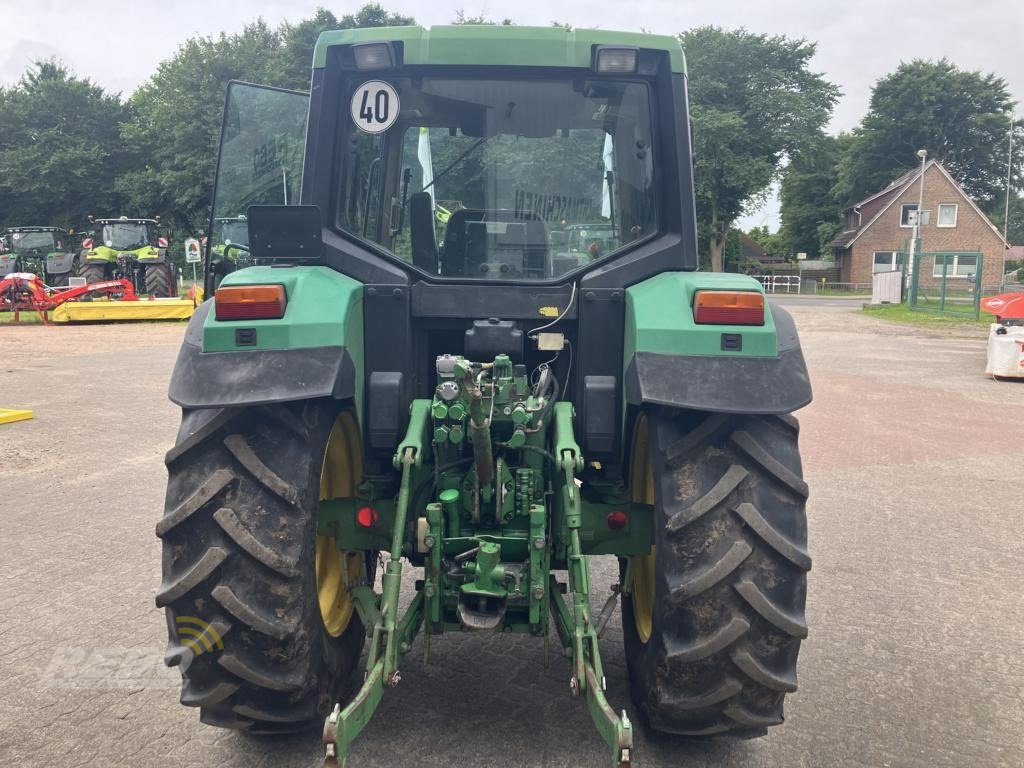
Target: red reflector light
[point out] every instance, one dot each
(250, 302)
(617, 520)
(367, 517)
(729, 307)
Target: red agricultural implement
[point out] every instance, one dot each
(1005, 306)
(24, 291)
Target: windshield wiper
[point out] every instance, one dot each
(457, 160)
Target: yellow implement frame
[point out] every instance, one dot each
(8, 415)
(158, 309)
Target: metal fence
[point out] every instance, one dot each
(781, 283)
(797, 284)
(841, 289)
(947, 282)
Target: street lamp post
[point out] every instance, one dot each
(923, 154)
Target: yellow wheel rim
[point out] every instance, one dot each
(641, 483)
(335, 570)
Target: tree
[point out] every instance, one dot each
(294, 60)
(754, 104)
(810, 214)
(774, 243)
(177, 117)
(961, 118)
(462, 18)
(173, 138)
(60, 150)
(997, 211)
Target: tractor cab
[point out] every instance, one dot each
(126, 235)
(45, 251)
(229, 247)
(131, 249)
(230, 231)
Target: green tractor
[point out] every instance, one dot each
(230, 245)
(46, 251)
(134, 249)
(368, 398)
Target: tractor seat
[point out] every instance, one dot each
(495, 244)
(421, 232)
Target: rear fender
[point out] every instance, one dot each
(315, 350)
(60, 263)
(672, 361)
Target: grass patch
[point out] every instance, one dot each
(842, 294)
(901, 313)
(28, 317)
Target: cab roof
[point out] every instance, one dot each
(499, 45)
(34, 229)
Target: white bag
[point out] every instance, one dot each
(1005, 351)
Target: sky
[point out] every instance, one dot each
(119, 45)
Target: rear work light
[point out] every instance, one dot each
(615, 61)
(729, 307)
(373, 56)
(250, 302)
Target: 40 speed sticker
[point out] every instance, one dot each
(375, 106)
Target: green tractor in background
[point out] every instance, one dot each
(134, 249)
(47, 251)
(369, 397)
(229, 247)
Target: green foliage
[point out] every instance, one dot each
(59, 148)
(732, 253)
(962, 118)
(997, 210)
(299, 40)
(462, 18)
(754, 103)
(811, 216)
(774, 243)
(173, 138)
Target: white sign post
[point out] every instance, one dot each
(192, 255)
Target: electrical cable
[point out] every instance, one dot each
(568, 369)
(572, 298)
(533, 449)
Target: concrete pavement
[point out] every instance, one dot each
(915, 599)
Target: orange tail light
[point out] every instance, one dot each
(729, 307)
(250, 302)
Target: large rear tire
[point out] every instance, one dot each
(158, 280)
(713, 623)
(93, 273)
(242, 563)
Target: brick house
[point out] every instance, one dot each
(878, 229)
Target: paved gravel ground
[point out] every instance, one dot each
(915, 600)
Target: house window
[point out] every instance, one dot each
(956, 264)
(887, 261)
(906, 215)
(947, 215)
(852, 220)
